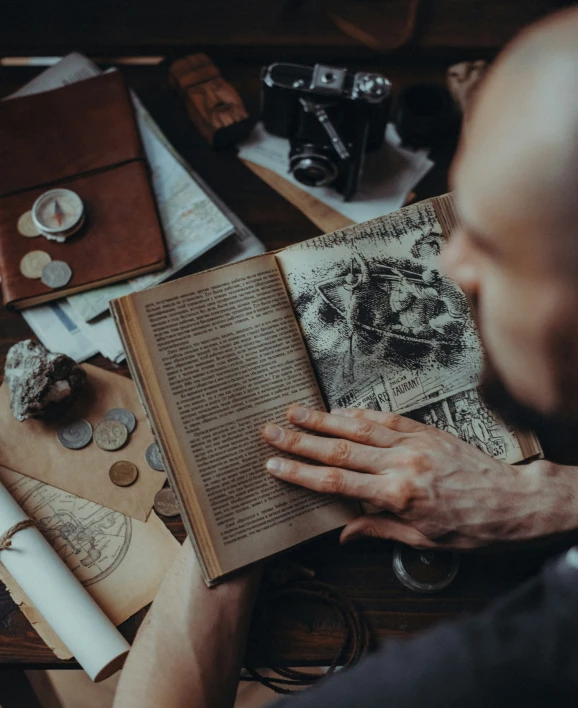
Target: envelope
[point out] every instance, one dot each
(32, 448)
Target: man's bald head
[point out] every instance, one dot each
(519, 152)
(516, 187)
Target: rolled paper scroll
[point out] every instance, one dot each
(90, 636)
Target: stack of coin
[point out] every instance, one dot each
(111, 434)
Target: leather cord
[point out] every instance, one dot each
(356, 640)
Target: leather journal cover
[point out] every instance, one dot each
(83, 137)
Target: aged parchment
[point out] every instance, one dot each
(119, 560)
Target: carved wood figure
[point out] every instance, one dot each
(213, 105)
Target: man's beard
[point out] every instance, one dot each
(496, 395)
(495, 392)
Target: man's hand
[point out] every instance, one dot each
(436, 490)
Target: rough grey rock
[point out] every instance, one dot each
(39, 381)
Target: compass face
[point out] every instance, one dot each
(57, 211)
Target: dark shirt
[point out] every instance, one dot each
(520, 652)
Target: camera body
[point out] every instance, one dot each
(332, 118)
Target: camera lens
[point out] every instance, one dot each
(312, 173)
(312, 168)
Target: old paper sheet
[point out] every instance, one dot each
(72, 613)
(32, 448)
(119, 561)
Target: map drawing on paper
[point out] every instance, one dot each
(91, 539)
(385, 329)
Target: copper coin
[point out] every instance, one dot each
(26, 227)
(166, 503)
(33, 263)
(110, 435)
(123, 473)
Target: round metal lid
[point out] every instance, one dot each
(58, 211)
(424, 570)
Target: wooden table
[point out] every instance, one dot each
(300, 635)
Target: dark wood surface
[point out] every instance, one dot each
(298, 634)
(120, 28)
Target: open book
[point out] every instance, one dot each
(360, 317)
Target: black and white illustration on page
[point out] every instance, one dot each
(384, 327)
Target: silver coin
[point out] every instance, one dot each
(124, 415)
(75, 435)
(165, 503)
(56, 274)
(153, 457)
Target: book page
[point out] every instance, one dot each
(384, 328)
(224, 355)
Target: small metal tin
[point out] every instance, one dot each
(424, 570)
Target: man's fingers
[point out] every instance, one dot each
(360, 430)
(330, 451)
(385, 527)
(393, 421)
(329, 480)
(389, 527)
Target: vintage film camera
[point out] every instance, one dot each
(332, 118)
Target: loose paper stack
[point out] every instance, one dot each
(81, 326)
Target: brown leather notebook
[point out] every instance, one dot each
(82, 137)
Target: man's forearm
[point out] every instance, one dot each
(552, 496)
(189, 650)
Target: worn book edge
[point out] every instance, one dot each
(144, 376)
